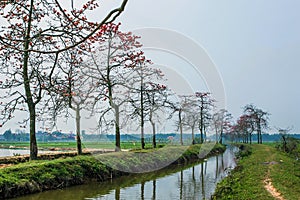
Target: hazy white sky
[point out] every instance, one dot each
(255, 45)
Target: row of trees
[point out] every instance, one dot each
(252, 120)
(35, 38)
(54, 61)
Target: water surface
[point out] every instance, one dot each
(197, 181)
(13, 152)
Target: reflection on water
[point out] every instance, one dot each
(175, 182)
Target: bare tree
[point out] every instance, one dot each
(205, 104)
(81, 92)
(191, 115)
(222, 123)
(145, 98)
(158, 100)
(283, 133)
(112, 64)
(181, 106)
(190, 121)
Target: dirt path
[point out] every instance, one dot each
(268, 181)
(271, 189)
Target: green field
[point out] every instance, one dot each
(72, 145)
(262, 164)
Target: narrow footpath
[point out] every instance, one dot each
(268, 181)
(263, 174)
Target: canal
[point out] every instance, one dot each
(15, 152)
(194, 181)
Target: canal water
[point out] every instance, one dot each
(14, 152)
(196, 181)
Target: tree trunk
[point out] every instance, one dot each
(142, 115)
(193, 136)
(217, 139)
(204, 131)
(260, 135)
(78, 138)
(117, 124)
(154, 135)
(201, 125)
(260, 138)
(142, 136)
(221, 135)
(258, 132)
(33, 143)
(29, 98)
(284, 143)
(180, 126)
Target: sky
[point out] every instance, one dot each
(253, 47)
(254, 44)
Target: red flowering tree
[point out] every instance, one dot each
(245, 127)
(34, 35)
(259, 119)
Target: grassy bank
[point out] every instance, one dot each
(262, 173)
(36, 176)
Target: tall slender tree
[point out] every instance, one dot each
(112, 64)
(79, 92)
(205, 105)
(158, 99)
(145, 98)
(222, 123)
(181, 106)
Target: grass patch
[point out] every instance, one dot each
(286, 176)
(37, 176)
(247, 180)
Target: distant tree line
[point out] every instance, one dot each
(21, 136)
(253, 120)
